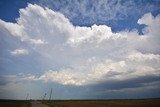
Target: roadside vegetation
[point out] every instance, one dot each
(15, 103)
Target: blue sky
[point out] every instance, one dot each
(89, 49)
(125, 15)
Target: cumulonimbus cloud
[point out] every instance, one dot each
(86, 55)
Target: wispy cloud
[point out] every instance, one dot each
(20, 51)
(100, 11)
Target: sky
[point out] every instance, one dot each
(81, 49)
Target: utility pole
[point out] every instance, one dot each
(50, 94)
(27, 96)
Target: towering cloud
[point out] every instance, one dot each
(74, 55)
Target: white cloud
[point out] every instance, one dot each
(20, 51)
(137, 56)
(136, 65)
(147, 19)
(151, 32)
(85, 55)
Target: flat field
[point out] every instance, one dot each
(84, 103)
(105, 103)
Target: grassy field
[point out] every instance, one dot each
(105, 103)
(14, 103)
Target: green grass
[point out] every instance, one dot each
(14, 103)
(104, 103)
